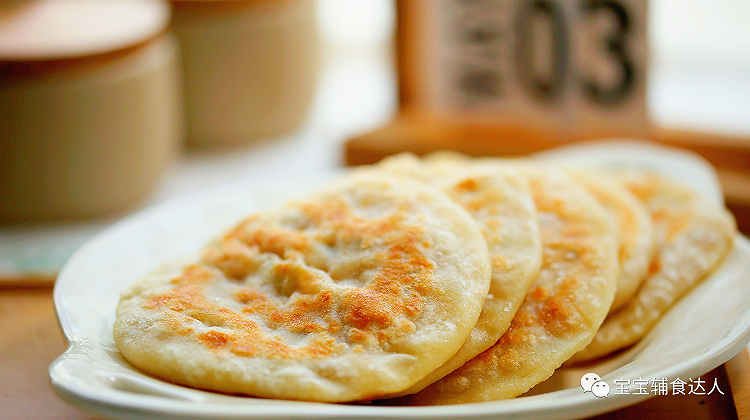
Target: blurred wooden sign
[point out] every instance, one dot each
(513, 77)
(573, 67)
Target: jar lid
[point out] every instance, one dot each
(56, 29)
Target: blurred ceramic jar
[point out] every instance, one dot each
(250, 68)
(91, 112)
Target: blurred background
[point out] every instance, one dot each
(108, 107)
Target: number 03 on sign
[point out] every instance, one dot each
(577, 66)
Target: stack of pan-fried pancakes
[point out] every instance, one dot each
(426, 281)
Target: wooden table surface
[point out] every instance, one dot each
(30, 339)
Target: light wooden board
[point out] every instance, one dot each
(738, 372)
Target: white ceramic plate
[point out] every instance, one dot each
(702, 331)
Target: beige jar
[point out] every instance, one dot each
(91, 113)
(250, 68)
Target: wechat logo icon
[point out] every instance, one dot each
(591, 382)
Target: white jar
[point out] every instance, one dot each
(91, 112)
(250, 68)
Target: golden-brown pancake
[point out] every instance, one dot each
(564, 307)
(635, 230)
(692, 236)
(498, 198)
(355, 292)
